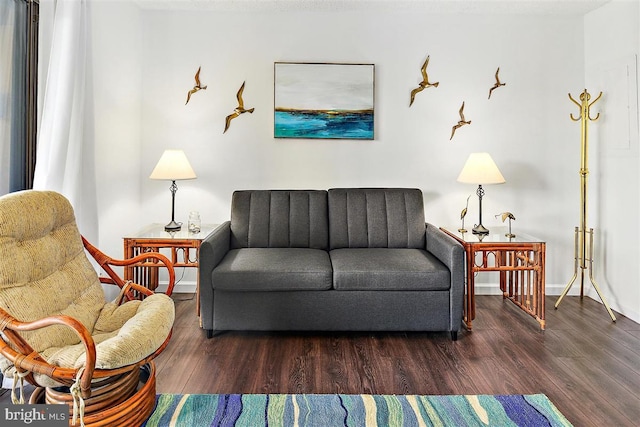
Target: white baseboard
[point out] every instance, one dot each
(557, 289)
(632, 313)
(550, 289)
(182, 287)
(188, 287)
(620, 306)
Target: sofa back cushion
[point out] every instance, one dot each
(279, 219)
(376, 218)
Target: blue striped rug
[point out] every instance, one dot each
(327, 410)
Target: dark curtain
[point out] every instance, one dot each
(18, 98)
(18, 92)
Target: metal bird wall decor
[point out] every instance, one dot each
(497, 84)
(424, 83)
(463, 213)
(238, 110)
(198, 86)
(461, 122)
(510, 216)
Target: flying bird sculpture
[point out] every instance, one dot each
(424, 83)
(497, 84)
(463, 213)
(238, 110)
(461, 122)
(506, 215)
(510, 216)
(198, 86)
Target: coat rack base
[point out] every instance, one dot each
(581, 264)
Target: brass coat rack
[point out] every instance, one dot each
(583, 251)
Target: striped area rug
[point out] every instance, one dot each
(327, 410)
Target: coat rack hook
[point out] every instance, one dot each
(589, 108)
(579, 106)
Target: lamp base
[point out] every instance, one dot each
(173, 226)
(480, 229)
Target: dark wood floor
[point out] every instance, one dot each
(586, 364)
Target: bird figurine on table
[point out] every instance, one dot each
(238, 110)
(461, 122)
(424, 83)
(198, 86)
(497, 84)
(510, 216)
(462, 215)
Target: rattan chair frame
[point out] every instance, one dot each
(26, 360)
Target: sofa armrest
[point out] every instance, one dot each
(212, 251)
(451, 254)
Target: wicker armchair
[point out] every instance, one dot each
(56, 329)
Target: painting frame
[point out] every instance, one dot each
(323, 100)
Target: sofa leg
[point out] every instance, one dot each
(454, 335)
(209, 333)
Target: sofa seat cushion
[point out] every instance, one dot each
(273, 269)
(388, 269)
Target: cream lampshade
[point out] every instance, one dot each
(173, 166)
(480, 169)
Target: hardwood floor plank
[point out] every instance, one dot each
(611, 388)
(596, 407)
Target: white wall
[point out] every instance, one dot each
(524, 126)
(117, 88)
(611, 47)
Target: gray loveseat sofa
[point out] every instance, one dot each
(352, 259)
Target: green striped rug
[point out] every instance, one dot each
(327, 410)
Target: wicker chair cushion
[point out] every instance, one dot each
(43, 260)
(124, 338)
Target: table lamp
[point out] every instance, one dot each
(173, 166)
(480, 169)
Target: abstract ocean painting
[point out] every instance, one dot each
(323, 101)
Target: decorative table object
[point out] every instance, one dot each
(173, 166)
(480, 169)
